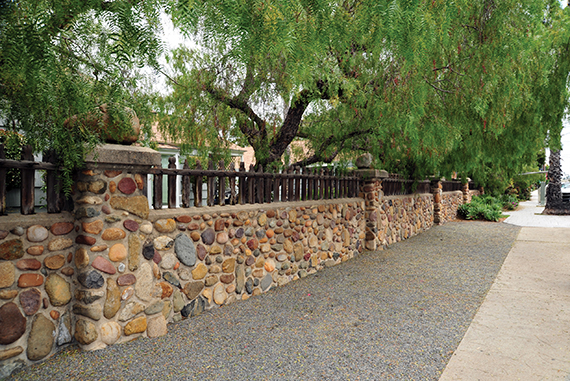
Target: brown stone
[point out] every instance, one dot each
(85, 332)
(134, 254)
(253, 244)
(12, 249)
(67, 271)
(219, 224)
(166, 290)
(193, 226)
(35, 250)
(94, 227)
(127, 185)
(228, 266)
(54, 314)
(211, 280)
(58, 290)
(112, 299)
(7, 274)
(184, 219)
(8, 294)
(110, 173)
(85, 240)
(201, 251)
(135, 326)
(30, 280)
(117, 252)
(139, 181)
(99, 248)
(195, 236)
(103, 265)
(3, 234)
(81, 257)
(193, 289)
(126, 280)
(10, 352)
(165, 225)
(28, 264)
(200, 271)
(131, 225)
(12, 323)
(112, 186)
(157, 327)
(137, 205)
(105, 209)
(227, 278)
(61, 228)
(113, 234)
(31, 301)
(41, 338)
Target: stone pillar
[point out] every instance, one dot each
(436, 190)
(372, 194)
(111, 212)
(466, 193)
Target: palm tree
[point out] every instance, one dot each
(554, 203)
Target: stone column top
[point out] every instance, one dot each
(121, 157)
(371, 174)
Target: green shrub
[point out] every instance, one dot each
(482, 207)
(510, 201)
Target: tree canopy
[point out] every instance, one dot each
(427, 86)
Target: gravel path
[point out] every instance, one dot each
(394, 314)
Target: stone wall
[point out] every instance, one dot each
(450, 201)
(402, 217)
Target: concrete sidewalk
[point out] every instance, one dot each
(522, 329)
(529, 214)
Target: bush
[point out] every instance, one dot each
(509, 201)
(482, 207)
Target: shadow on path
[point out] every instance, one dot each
(393, 314)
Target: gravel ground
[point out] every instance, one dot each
(396, 314)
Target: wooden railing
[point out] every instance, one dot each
(248, 187)
(450, 186)
(393, 186)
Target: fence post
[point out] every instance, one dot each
(251, 185)
(372, 193)
(211, 181)
(436, 190)
(53, 194)
(27, 191)
(185, 187)
(2, 183)
(198, 186)
(466, 193)
(222, 188)
(242, 185)
(171, 183)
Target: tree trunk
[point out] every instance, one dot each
(554, 203)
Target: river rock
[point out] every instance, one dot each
(156, 327)
(131, 310)
(240, 278)
(110, 332)
(92, 311)
(12, 249)
(145, 283)
(117, 252)
(54, 262)
(113, 234)
(61, 228)
(41, 338)
(59, 244)
(127, 185)
(112, 300)
(58, 290)
(165, 225)
(194, 308)
(30, 300)
(30, 280)
(85, 240)
(88, 296)
(91, 279)
(220, 294)
(154, 308)
(7, 274)
(185, 250)
(9, 353)
(85, 332)
(134, 252)
(208, 236)
(103, 265)
(201, 251)
(37, 233)
(200, 271)
(170, 278)
(94, 227)
(137, 205)
(146, 227)
(135, 326)
(193, 289)
(12, 323)
(168, 262)
(35, 250)
(81, 258)
(162, 243)
(64, 330)
(131, 225)
(126, 280)
(177, 301)
(166, 290)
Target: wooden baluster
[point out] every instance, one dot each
(242, 185)
(27, 191)
(297, 183)
(251, 185)
(233, 196)
(211, 181)
(327, 185)
(186, 187)
(284, 183)
(268, 188)
(303, 181)
(290, 184)
(171, 183)
(276, 184)
(309, 180)
(222, 179)
(198, 186)
(2, 183)
(259, 185)
(53, 196)
(322, 184)
(157, 191)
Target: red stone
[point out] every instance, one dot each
(104, 265)
(131, 225)
(201, 251)
(126, 280)
(252, 244)
(219, 225)
(127, 185)
(227, 278)
(61, 228)
(270, 213)
(184, 219)
(105, 209)
(111, 174)
(31, 300)
(157, 257)
(28, 264)
(85, 240)
(193, 226)
(12, 323)
(11, 250)
(307, 256)
(30, 280)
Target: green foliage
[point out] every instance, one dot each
(482, 207)
(65, 58)
(509, 201)
(13, 143)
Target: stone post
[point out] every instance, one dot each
(372, 194)
(436, 190)
(111, 212)
(466, 193)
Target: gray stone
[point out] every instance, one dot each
(170, 278)
(329, 263)
(18, 230)
(148, 251)
(177, 301)
(85, 332)
(6, 370)
(208, 236)
(91, 279)
(86, 213)
(364, 161)
(266, 282)
(302, 273)
(92, 311)
(37, 233)
(194, 308)
(131, 310)
(185, 250)
(249, 231)
(154, 308)
(64, 330)
(249, 286)
(88, 296)
(41, 338)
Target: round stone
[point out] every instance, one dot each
(117, 252)
(94, 227)
(28, 264)
(12, 249)
(184, 219)
(37, 233)
(113, 234)
(35, 250)
(208, 236)
(91, 279)
(58, 290)
(135, 326)
(85, 332)
(31, 301)
(54, 262)
(185, 250)
(131, 225)
(193, 289)
(127, 185)
(41, 338)
(168, 262)
(220, 294)
(7, 274)
(163, 243)
(12, 323)
(85, 240)
(201, 251)
(30, 280)
(126, 280)
(110, 332)
(146, 227)
(165, 225)
(269, 265)
(200, 271)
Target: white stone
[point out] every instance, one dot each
(110, 332)
(146, 227)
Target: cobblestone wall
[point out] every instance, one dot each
(402, 217)
(450, 201)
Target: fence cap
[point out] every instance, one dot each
(116, 156)
(371, 174)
